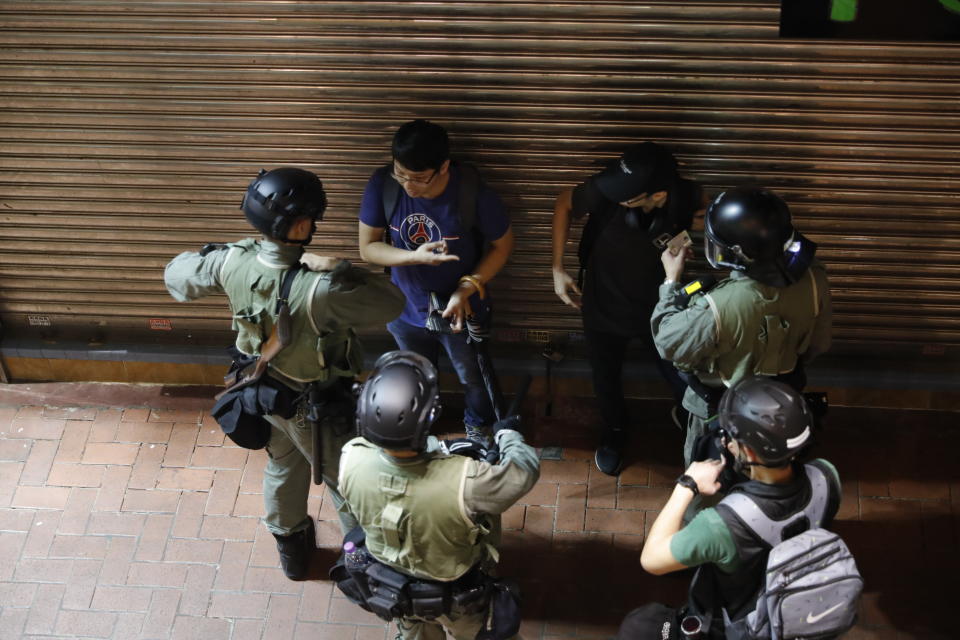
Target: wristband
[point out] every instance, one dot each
(475, 281)
(689, 483)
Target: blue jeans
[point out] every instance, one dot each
(479, 409)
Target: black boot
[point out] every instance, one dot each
(609, 455)
(295, 551)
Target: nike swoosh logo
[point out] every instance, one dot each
(811, 619)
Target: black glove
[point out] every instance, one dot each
(346, 277)
(510, 422)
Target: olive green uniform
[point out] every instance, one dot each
(741, 328)
(435, 516)
(325, 307)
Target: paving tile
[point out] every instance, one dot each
(76, 475)
(116, 564)
(12, 621)
(162, 613)
(111, 453)
(107, 598)
(113, 488)
(40, 497)
(229, 528)
(223, 492)
(157, 574)
(315, 601)
(43, 612)
(104, 427)
(180, 445)
(219, 458)
(189, 515)
(73, 441)
(41, 535)
(144, 432)
(16, 519)
(146, 468)
(188, 550)
(282, 615)
(542, 494)
(161, 501)
(195, 599)
(153, 537)
(571, 507)
(72, 546)
(84, 576)
(648, 498)
(37, 428)
(614, 521)
(564, 471)
(233, 566)
(601, 490)
(187, 479)
(9, 477)
(15, 450)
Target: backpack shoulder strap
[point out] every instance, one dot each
(467, 198)
(390, 192)
(771, 531)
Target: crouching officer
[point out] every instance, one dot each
(768, 318)
(429, 520)
(301, 324)
(766, 426)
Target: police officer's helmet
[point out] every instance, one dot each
(399, 402)
(769, 417)
(747, 226)
(278, 197)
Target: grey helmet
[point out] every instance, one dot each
(276, 198)
(769, 417)
(399, 402)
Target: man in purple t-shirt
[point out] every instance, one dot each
(430, 251)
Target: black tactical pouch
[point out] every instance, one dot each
(429, 600)
(387, 597)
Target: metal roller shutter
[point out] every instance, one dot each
(130, 130)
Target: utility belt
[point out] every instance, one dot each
(390, 594)
(796, 379)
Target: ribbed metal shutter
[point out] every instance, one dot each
(130, 130)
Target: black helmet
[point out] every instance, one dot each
(278, 197)
(769, 417)
(399, 402)
(749, 229)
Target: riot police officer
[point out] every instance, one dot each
(768, 318)
(430, 519)
(315, 319)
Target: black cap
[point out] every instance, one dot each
(643, 168)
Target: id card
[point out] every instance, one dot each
(679, 242)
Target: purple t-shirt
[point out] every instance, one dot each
(416, 221)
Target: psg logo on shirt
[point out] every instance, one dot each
(417, 229)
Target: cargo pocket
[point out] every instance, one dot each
(251, 330)
(773, 334)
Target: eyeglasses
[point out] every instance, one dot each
(420, 181)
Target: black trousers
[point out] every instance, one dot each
(607, 353)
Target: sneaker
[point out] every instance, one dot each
(295, 551)
(609, 455)
(480, 435)
(679, 417)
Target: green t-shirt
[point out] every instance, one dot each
(707, 539)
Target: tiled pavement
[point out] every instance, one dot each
(138, 522)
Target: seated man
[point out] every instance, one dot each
(765, 425)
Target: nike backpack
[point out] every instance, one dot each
(811, 590)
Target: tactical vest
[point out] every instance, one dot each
(761, 330)
(316, 353)
(412, 512)
(810, 502)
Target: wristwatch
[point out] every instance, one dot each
(689, 483)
